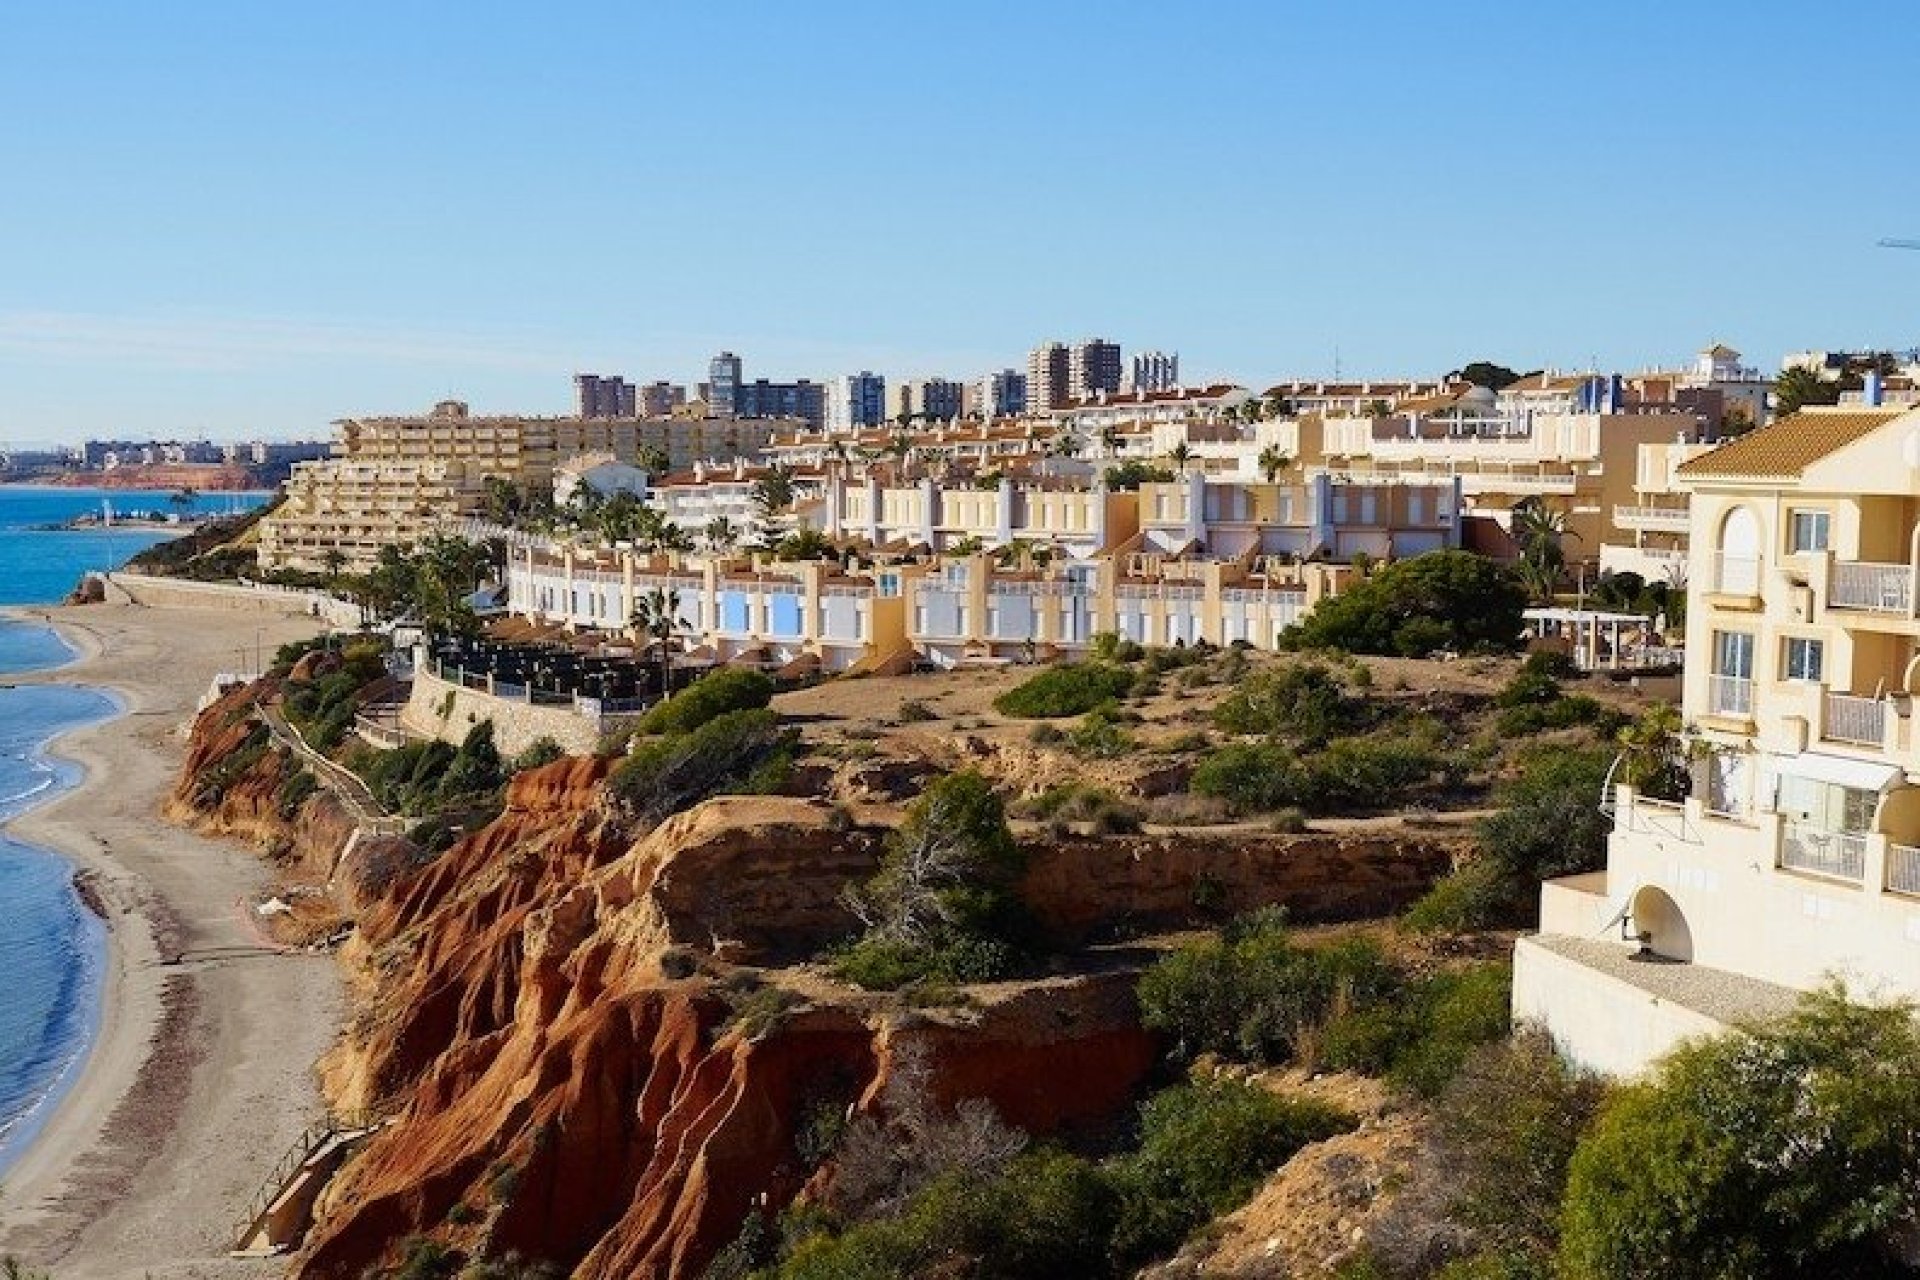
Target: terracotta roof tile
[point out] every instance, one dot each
(1787, 447)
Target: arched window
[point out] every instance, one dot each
(1738, 559)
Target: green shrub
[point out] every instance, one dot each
(1512, 1117)
(1550, 824)
(1471, 898)
(1787, 1150)
(1350, 774)
(1099, 736)
(1083, 802)
(708, 698)
(1046, 735)
(1250, 994)
(1453, 1013)
(543, 752)
(914, 711)
(1204, 1149)
(665, 775)
(1250, 776)
(1070, 690)
(293, 794)
(1303, 701)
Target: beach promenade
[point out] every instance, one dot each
(202, 1073)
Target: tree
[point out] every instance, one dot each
(1125, 476)
(1539, 529)
(1484, 373)
(721, 535)
(1180, 455)
(500, 499)
(1800, 386)
(1110, 439)
(773, 492)
(949, 869)
(656, 615)
(653, 460)
(1441, 600)
(335, 560)
(1789, 1149)
(1655, 755)
(1273, 460)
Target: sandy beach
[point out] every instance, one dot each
(202, 1073)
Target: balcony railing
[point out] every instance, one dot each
(1876, 588)
(1736, 575)
(1651, 517)
(1729, 695)
(1840, 854)
(1903, 869)
(1857, 720)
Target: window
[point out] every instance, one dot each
(1807, 531)
(1733, 654)
(1803, 659)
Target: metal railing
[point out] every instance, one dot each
(1876, 588)
(1736, 575)
(1853, 719)
(1730, 695)
(1839, 854)
(1903, 869)
(1660, 817)
(311, 1139)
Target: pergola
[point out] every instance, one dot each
(1584, 627)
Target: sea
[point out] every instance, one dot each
(52, 948)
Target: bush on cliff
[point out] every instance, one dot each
(1204, 1148)
(708, 698)
(1070, 690)
(1251, 993)
(1441, 600)
(942, 904)
(1306, 702)
(1550, 824)
(428, 777)
(665, 775)
(1784, 1150)
(1349, 774)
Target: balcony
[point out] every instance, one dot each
(1838, 855)
(1730, 696)
(1855, 720)
(1736, 575)
(1874, 588)
(1663, 519)
(1903, 870)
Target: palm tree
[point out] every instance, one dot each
(335, 559)
(1181, 454)
(1273, 461)
(653, 460)
(720, 534)
(901, 447)
(1110, 439)
(1800, 386)
(655, 616)
(1538, 530)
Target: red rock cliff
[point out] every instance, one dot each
(588, 1108)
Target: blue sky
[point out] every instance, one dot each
(254, 218)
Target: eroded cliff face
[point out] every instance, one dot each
(602, 1050)
(563, 1071)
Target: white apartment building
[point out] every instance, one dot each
(1797, 855)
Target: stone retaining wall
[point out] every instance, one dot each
(441, 709)
(183, 593)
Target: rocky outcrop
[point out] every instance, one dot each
(590, 1101)
(1077, 885)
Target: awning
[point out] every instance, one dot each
(1864, 775)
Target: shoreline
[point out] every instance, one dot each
(202, 1061)
(14, 1145)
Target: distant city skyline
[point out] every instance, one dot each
(256, 219)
